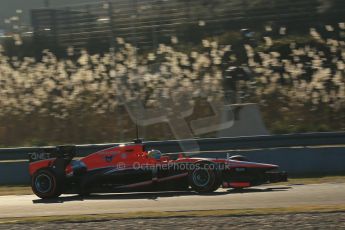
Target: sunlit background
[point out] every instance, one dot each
(69, 72)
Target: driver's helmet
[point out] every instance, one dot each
(156, 154)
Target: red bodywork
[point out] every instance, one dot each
(119, 160)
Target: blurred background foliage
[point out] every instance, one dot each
(292, 66)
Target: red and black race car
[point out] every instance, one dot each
(130, 167)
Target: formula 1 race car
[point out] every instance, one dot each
(130, 167)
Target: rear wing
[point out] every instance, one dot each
(63, 152)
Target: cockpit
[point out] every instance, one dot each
(154, 154)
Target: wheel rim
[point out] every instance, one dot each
(43, 183)
(201, 177)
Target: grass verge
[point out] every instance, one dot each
(6, 190)
(314, 180)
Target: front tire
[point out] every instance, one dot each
(45, 184)
(204, 179)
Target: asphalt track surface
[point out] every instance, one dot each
(257, 197)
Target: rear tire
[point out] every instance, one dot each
(204, 179)
(45, 184)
